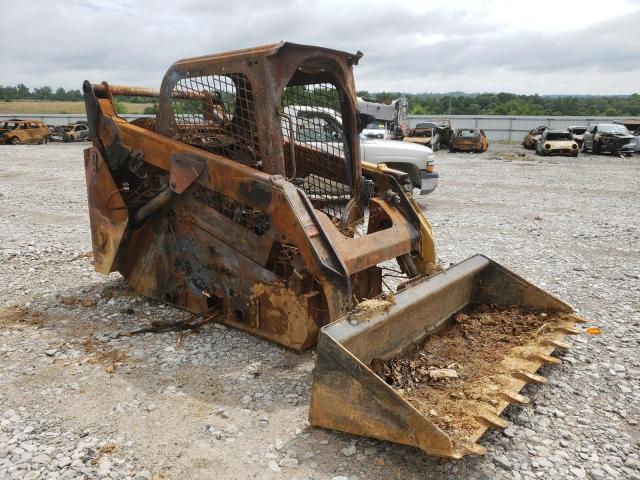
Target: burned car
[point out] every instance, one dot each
(469, 140)
(76, 132)
(634, 129)
(16, 131)
(556, 142)
(609, 137)
(446, 133)
(426, 133)
(531, 139)
(57, 133)
(577, 133)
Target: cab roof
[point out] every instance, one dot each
(265, 51)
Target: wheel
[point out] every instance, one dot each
(452, 150)
(595, 148)
(436, 147)
(584, 147)
(14, 141)
(628, 155)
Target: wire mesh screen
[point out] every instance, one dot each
(216, 113)
(254, 220)
(314, 145)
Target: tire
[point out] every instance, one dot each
(452, 150)
(584, 147)
(14, 141)
(595, 148)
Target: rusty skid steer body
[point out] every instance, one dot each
(230, 202)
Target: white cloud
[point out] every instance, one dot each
(549, 46)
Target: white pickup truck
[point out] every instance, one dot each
(322, 129)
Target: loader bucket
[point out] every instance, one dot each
(436, 367)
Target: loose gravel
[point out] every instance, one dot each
(80, 401)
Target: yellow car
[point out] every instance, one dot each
(15, 131)
(554, 142)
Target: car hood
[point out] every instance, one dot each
(560, 143)
(620, 136)
(379, 151)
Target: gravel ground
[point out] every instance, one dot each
(77, 401)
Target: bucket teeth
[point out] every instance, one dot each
(493, 420)
(528, 377)
(557, 344)
(514, 398)
(476, 449)
(541, 357)
(569, 330)
(577, 318)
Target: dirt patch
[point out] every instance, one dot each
(510, 156)
(19, 314)
(451, 377)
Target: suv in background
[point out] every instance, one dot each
(609, 137)
(16, 131)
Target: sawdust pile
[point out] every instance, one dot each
(452, 375)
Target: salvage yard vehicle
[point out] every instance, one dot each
(16, 131)
(610, 138)
(446, 133)
(469, 140)
(219, 210)
(390, 120)
(323, 129)
(531, 139)
(76, 132)
(577, 133)
(633, 125)
(425, 133)
(556, 142)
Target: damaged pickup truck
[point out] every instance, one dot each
(609, 137)
(426, 133)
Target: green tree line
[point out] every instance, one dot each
(22, 92)
(513, 104)
(456, 103)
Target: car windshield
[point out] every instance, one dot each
(620, 129)
(559, 136)
(578, 131)
(467, 133)
(377, 125)
(9, 125)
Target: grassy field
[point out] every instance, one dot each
(31, 106)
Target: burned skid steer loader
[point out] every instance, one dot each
(229, 202)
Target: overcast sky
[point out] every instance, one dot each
(544, 46)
